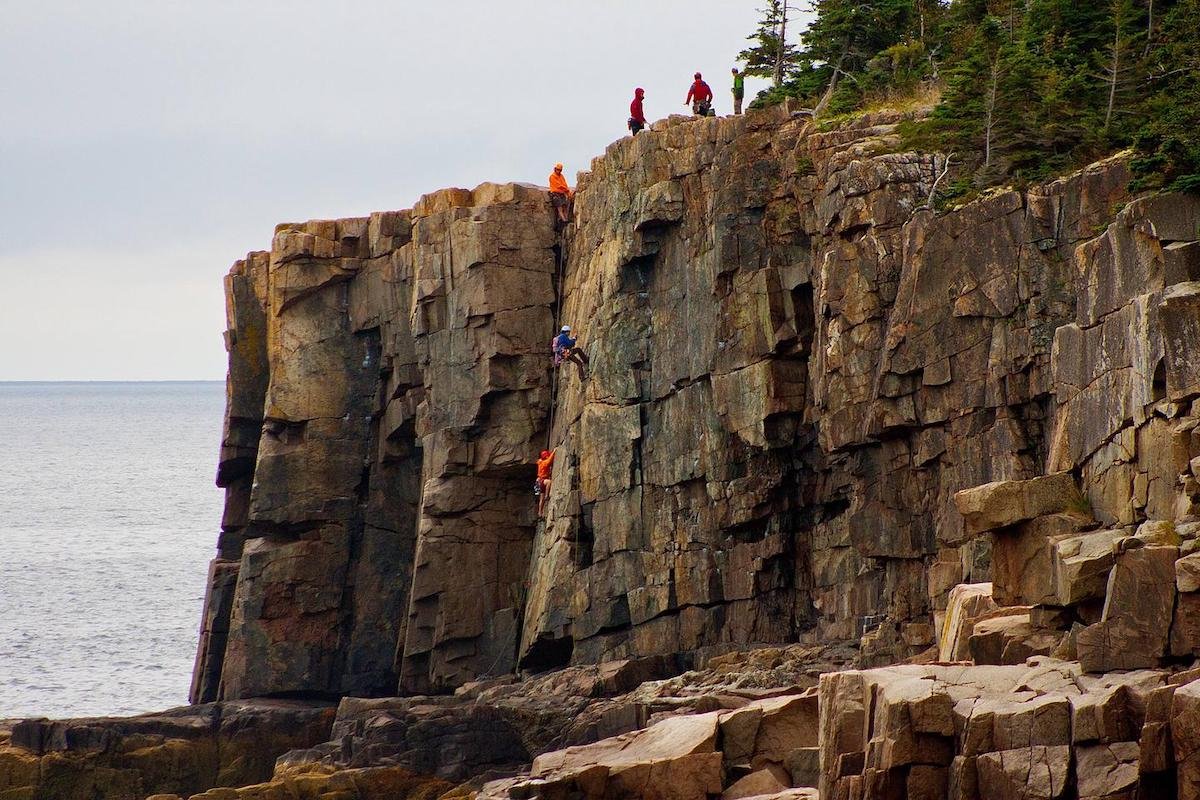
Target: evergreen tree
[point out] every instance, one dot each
(771, 56)
(1168, 135)
(1117, 59)
(1028, 88)
(847, 34)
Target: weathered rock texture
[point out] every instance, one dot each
(818, 415)
(795, 366)
(402, 391)
(183, 751)
(1041, 730)
(793, 371)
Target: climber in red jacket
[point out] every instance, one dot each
(637, 115)
(700, 97)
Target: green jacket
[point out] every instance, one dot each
(739, 84)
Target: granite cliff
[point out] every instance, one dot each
(826, 430)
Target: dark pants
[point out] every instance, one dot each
(737, 103)
(562, 205)
(578, 356)
(636, 127)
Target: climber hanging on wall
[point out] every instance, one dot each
(565, 350)
(700, 97)
(637, 115)
(560, 194)
(541, 487)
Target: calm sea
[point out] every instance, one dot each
(108, 517)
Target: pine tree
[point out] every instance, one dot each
(1029, 88)
(1117, 59)
(772, 56)
(846, 34)
(1168, 134)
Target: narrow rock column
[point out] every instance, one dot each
(245, 392)
(294, 603)
(482, 319)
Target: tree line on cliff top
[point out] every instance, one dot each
(1022, 89)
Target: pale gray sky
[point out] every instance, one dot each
(146, 145)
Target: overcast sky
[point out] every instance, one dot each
(145, 146)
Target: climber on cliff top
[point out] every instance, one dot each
(700, 97)
(560, 193)
(545, 468)
(565, 350)
(637, 116)
(739, 90)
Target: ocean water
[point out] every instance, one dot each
(108, 518)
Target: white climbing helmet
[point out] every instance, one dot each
(566, 329)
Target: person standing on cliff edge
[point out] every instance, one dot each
(699, 97)
(560, 193)
(637, 115)
(739, 90)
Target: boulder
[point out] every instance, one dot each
(1002, 503)
(1023, 563)
(1185, 628)
(1133, 632)
(804, 766)
(966, 603)
(1081, 565)
(1033, 773)
(1011, 639)
(790, 794)
(1187, 573)
(675, 758)
(787, 723)
(766, 781)
(1185, 737)
(1105, 715)
(1107, 771)
(1156, 754)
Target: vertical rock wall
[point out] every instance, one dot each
(246, 388)
(483, 268)
(794, 367)
(388, 390)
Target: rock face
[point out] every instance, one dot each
(379, 528)
(794, 369)
(183, 751)
(817, 414)
(1040, 730)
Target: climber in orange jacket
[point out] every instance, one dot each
(545, 468)
(700, 97)
(560, 193)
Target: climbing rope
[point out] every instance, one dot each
(558, 311)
